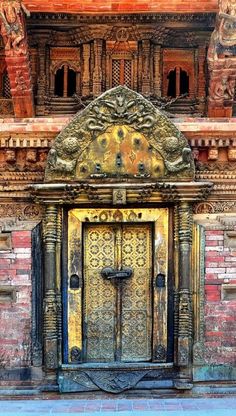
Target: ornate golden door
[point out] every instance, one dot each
(118, 305)
(117, 286)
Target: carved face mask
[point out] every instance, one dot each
(227, 32)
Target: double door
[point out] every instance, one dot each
(117, 290)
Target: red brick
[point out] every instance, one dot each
(21, 239)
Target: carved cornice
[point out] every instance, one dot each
(47, 19)
(83, 193)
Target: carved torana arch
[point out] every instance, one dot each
(59, 65)
(120, 135)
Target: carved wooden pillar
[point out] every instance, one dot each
(41, 78)
(202, 73)
(157, 71)
(108, 75)
(78, 83)
(177, 83)
(52, 84)
(184, 313)
(97, 73)
(58, 284)
(65, 81)
(86, 70)
(201, 77)
(13, 31)
(135, 79)
(50, 286)
(146, 68)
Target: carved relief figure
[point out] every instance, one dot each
(11, 14)
(224, 35)
(126, 135)
(20, 81)
(228, 7)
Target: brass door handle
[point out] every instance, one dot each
(110, 273)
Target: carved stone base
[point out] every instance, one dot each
(111, 380)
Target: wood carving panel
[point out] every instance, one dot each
(137, 294)
(100, 294)
(122, 107)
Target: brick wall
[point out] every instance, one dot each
(15, 313)
(220, 314)
(123, 6)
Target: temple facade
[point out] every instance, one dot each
(117, 196)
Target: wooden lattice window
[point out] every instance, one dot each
(122, 72)
(6, 88)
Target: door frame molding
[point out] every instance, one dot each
(159, 218)
(181, 196)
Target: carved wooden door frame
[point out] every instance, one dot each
(59, 197)
(162, 175)
(159, 219)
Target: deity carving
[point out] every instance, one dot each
(120, 134)
(11, 14)
(223, 39)
(20, 81)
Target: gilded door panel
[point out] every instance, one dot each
(74, 294)
(99, 294)
(136, 318)
(115, 304)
